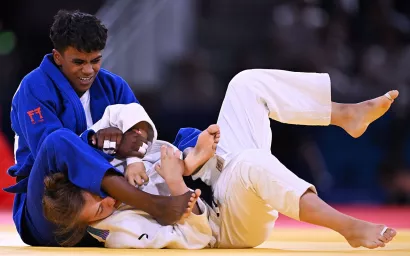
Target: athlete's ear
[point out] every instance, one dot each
(57, 57)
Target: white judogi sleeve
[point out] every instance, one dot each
(137, 229)
(123, 117)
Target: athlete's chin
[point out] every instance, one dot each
(82, 86)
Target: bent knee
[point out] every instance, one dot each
(243, 78)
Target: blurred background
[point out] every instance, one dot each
(179, 55)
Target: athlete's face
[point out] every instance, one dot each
(97, 208)
(80, 68)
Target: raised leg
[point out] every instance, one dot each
(355, 118)
(254, 96)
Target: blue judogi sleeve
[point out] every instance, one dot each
(61, 151)
(186, 137)
(36, 115)
(64, 151)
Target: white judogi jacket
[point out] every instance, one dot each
(129, 228)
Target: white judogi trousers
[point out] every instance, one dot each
(254, 186)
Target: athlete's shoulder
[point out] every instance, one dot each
(36, 80)
(109, 78)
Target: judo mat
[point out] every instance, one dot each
(289, 238)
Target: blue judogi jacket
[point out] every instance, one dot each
(45, 104)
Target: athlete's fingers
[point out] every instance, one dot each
(94, 139)
(138, 180)
(136, 154)
(177, 153)
(144, 177)
(100, 140)
(163, 152)
(158, 167)
(131, 181)
(170, 151)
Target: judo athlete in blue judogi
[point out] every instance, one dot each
(64, 96)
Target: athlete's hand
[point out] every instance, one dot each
(135, 174)
(107, 139)
(171, 166)
(171, 169)
(132, 144)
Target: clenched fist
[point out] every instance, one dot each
(136, 174)
(132, 144)
(107, 139)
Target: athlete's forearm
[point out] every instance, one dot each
(167, 210)
(117, 187)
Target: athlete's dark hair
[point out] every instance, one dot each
(81, 31)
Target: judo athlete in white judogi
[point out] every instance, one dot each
(250, 186)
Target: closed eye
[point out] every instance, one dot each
(99, 210)
(78, 62)
(95, 61)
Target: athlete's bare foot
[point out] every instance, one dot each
(170, 209)
(191, 206)
(204, 149)
(355, 118)
(366, 234)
